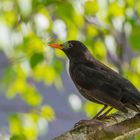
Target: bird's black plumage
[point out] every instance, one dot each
(97, 82)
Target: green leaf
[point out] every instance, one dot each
(9, 75)
(137, 137)
(15, 124)
(65, 11)
(18, 137)
(58, 66)
(35, 59)
(135, 38)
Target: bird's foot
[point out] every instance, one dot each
(102, 117)
(89, 122)
(105, 118)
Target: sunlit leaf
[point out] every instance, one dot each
(91, 109)
(91, 7)
(31, 96)
(137, 7)
(48, 113)
(58, 82)
(115, 9)
(50, 75)
(32, 44)
(135, 64)
(99, 49)
(10, 17)
(72, 33)
(130, 2)
(18, 86)
(92, 31)
(15, 124)
(59, 53)
(133, 77)
(30, 132)
(78, 19)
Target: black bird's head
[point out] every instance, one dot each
(75, 50)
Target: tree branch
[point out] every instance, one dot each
(117, 126)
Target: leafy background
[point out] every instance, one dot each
(109, 28)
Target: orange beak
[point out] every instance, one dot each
(55, 45)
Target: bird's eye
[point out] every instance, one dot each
(67, 45)
(70, 45)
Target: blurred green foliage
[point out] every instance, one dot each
(110, 28)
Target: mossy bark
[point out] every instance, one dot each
(118, 126)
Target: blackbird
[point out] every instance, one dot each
(97, 82)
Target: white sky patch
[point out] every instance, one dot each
(42, 126)
(67, 66)
(5, 39)
(128, 28)
(118, 22)
(7, 5)
(4, 36)
(16, 38)
(41, 22)
(26, 67)
(49, 54)
(25, 6)
(75, 102)
(28, 122)
(59, 28)
(102, 4)
(79, 6)
(26, 28)
(110, 43)
(129, 12)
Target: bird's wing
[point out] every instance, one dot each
(128, 90)
(120, 80)
(90, 78)
(97, 86)
(112, 88)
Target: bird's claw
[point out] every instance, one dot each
(102, 117)
(79, 123)
(88, 122)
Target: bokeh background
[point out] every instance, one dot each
(38, 100)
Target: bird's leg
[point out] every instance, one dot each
(99, 113)
(93, 120)
(104, 115)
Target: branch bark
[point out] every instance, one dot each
(117, 127)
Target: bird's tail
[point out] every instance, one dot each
(133, 107)
(136, 98)
(133, 101)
